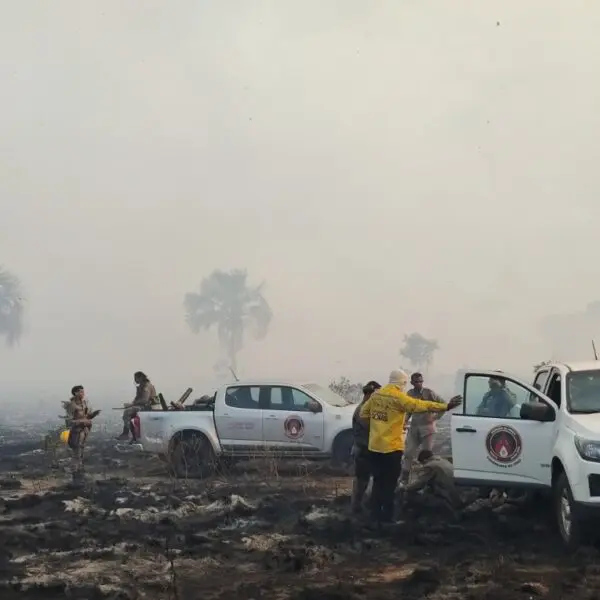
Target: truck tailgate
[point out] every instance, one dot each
(153, 431)
(158, 427)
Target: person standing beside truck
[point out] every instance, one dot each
(362, 457)
(79, 421)
(386, 411)
(146, 398)
(422, 426)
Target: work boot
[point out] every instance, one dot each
(124, 435)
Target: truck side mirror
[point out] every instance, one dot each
(537, 411)
(314, 407)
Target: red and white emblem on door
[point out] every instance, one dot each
(504, 446)
(293, 427)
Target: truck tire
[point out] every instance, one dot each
(342, 449)
(191, 456)
(568, 517)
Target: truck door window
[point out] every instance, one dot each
(287, 398)
(495, 397)
(242, 396)
(554, 388)
(540, 380)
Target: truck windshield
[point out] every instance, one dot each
(325, 394)
(583, 392)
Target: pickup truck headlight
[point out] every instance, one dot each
(588, 449)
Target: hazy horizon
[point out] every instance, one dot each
(384, 167)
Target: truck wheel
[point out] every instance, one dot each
(191, 456)
(567, 514)
(342, 449)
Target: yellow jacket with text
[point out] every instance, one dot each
(386, 411)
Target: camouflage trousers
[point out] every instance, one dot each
(128, 414)
(77, 440)
(77, 460)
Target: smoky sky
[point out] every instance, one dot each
(385, 167)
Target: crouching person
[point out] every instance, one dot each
(362, 458)
(436, 479)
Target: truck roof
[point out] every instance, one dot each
(321, 391)
(585, 365)
(266, 381)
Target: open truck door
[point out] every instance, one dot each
(502, 435)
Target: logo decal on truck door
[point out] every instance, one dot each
(293, 427)
(504, 446)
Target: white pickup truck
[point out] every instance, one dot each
(547, 439)
(249, 419)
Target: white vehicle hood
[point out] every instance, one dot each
(587, 425)
(344, 413)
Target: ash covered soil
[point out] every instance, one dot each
(263, 530)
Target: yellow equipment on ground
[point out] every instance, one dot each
(64, 436)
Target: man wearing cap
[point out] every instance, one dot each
(422, 426)
(386, 412)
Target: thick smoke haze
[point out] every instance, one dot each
(385, 167)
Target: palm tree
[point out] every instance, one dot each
(227, 302)
(11, 307)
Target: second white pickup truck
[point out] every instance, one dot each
(249, 419)
(543, 435)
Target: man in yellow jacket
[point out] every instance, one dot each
(386, 412)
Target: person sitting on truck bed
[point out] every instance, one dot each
(145, 398)
(499, 401)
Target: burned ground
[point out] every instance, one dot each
(264, 530)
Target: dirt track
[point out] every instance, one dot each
(260, 532)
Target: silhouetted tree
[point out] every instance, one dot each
(346, 389)
(11, 307)
(419, 350)
(227, 302)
